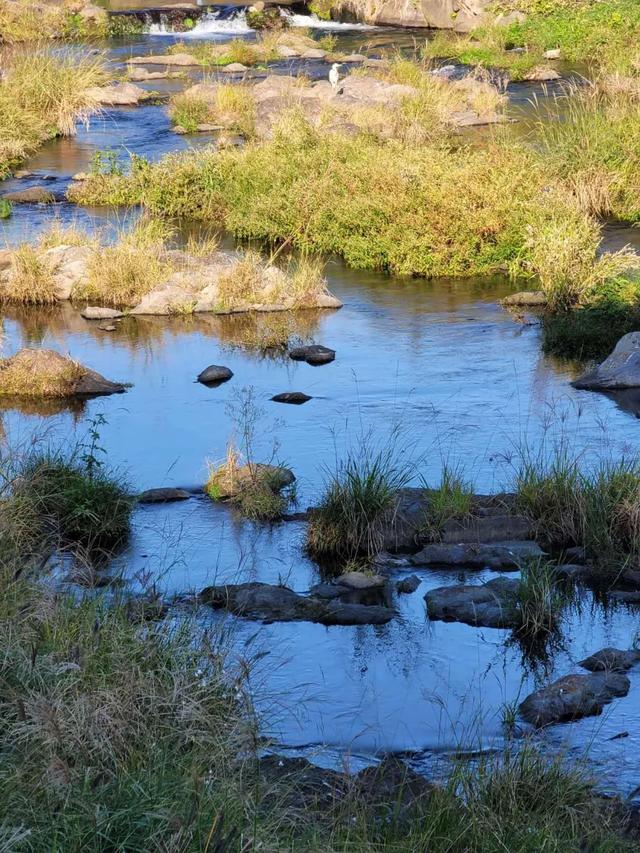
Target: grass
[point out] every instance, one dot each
(28, 21)
(39, 374)
(31, 277)
(232, 106)
(44, 94)
(595, 509)
(540, 601)
(357, 505)
(453, 498)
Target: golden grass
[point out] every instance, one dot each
(232, 107)
(31, 280)
(254, 281)
(39, 373)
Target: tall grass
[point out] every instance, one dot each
(453, 498)
(43, 94)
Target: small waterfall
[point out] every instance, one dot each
(227, 20)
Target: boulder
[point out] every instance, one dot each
(234, 68)
(92, 312)
(69, 268)
(490, 528)
(490, 605)
(408, 585)
(541, 74)
(228, 483)
(30, 195)
(573, 697)
(141, 75)
(554, 53)
(287, 52)
(163, 496)
(118, 95)
(361, 580)
(621, 369)
(625, 596)
(46, 373)
(437, 14)
(500, 556)
(526, 299)
(314, 354)
(280, 604)
(182, 59)
(296, 398)
(214, 375)
(611, 660)
(314, 53)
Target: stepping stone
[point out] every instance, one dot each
(214, 375)
(96, 313)
(494, 555)
(489, 605)
(314, 354)
(611, 660)
(573, 697)
(296, 398)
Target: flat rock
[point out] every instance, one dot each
(573, 697)
(554, 53)
(408, 585)
(314, 53)
(183, 59)
(215, 374)
(526, 299)
(495, 555)
(361, 580)
(287, 52)
(280, 604)
(296, 398)
(314, 354)
(611, 660)
(490, 605)
(141, 75)
(621, 369)
(488, 528)
(92, 312)
(30, 195)
(234, 68)
(163, 496)
(353, 58)
(118, 95)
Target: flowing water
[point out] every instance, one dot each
(466, 382)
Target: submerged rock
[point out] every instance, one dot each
(296, 398)
(280, 604)
(92, 312)
(490, 605)
(621, 369)
(526, 299)
(163, 495)
(495, 555)
(611, 660)
(314, 354)
(361, 580)
(408, 585)
(215, 374)
(573, 697)
(46, 373)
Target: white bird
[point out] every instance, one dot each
(334, 75)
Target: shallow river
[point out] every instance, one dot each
(465, 383)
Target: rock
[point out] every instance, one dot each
(392, 788)
(329, 590)
(439, 14)
(141, 75)
(107, 327)
(314, 53)
(294, 397)
(572, 571)
(234, 68)
(46, 373)
(611, 660)
(80, 176)
(183, 59)
(287, 52)
(30, 195)
(22, 173)
(314, 354)
(505, 556)
(625, 596)
(68, 265)
(621, 369)
(576, 554)
(163, 496)
(507, 18)
(408, 585)
(526, 299)
(280, 604)
(98, 313)
(491, 528)
(214, 375)
(573, 697)
(490, 605)
(361, 580)
(540, 74)
(353, 58)
(229, 483)
(552, 54)
(118, 95)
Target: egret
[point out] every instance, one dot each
(334, 75)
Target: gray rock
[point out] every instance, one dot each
(625, 596)
(526, 298)
(314, 53)
(577, 554)
(182, 59)
(163, 495)
(234, 68)
(572, 571)
(31, 195)
(495, 555)
(611, 660)
(118, 95)
(361, 580)
(621, 369)
(214, 375)
(541, 74)
(490, 605)
(554, 53)
(280, 604)
(489, 528)
(96, 313)
(296, 398)
(313, 354)
(408, 585)
(573, 697)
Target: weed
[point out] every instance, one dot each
(540, 601)
(453, 498)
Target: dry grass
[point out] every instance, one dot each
(39, 373)
(31, 280)
(254, 281)
(28, 21)
(232, 107)
(44, 94)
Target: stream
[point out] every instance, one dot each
(459, 379)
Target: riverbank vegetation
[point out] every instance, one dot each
(43, 94)
(33, 21)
